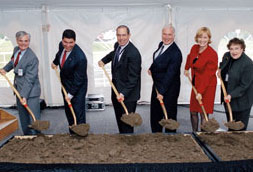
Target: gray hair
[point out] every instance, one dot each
(22, 33)
(169, 26)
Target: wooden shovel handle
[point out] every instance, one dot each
(66, 94)
(114, 89)
(163, 107)
(19, 97)
(228, 104)
(200, 102)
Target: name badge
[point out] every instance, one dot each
(20, 72)
(226, 78)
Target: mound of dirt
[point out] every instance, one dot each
(169, 124)
(103, 148)
(132, 119)
(230, 145)
(210, 126)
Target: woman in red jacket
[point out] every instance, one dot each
(203, 61)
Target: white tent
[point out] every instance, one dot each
(45, 20)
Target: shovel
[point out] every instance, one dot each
(231, 124)
(167, 123)
(80, 129)
(132, 119)
(36, 124)
(210, 125)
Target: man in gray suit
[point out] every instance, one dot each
(25, 64)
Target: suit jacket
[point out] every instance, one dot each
(74, 71)
(165, 70)
(127, 74)
(204, 68)
(28, 84)
(240, 81)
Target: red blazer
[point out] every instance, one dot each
(204, 68)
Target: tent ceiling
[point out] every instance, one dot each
(37, 4)
(17, 4)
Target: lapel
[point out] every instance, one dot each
(159, 46)
(59, 54)
(70, 57)
(22, 60)
(14, 52)
(23, 57)
(227, 59)
(159, 58)
(123, 56)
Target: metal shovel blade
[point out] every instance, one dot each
(132, 119)
(40, 125)
(81, 129)
(169, 124)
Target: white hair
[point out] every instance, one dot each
(169, 26)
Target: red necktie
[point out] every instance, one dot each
(17, 59)
(63, 58)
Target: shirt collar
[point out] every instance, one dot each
(22, 52)
(122, 47)
(168, 45)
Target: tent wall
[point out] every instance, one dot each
(220, 21)
(145, 24)
(11, 22)
(47, 24)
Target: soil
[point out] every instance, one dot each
(132, 119)
(103, 148)
(169, 124)
(234, 125)
(210, 126)
(40, 125)
(230, 145)
(81, 129)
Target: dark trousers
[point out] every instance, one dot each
(25, 118)
(119, 111)
(78, 104)
(239, 116)
(157, 112)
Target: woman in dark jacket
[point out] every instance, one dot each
(236, 70)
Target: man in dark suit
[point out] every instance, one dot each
(73, 65)
(26, 67)
(165, 71)
(126, 75)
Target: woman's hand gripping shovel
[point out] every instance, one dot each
(80, 129)
(231, 124)
(210, 125)
(132, 119)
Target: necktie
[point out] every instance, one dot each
(116, 58)
(63, 58)
(160, 51)
(17, 59)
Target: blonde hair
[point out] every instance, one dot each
(201, 31)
